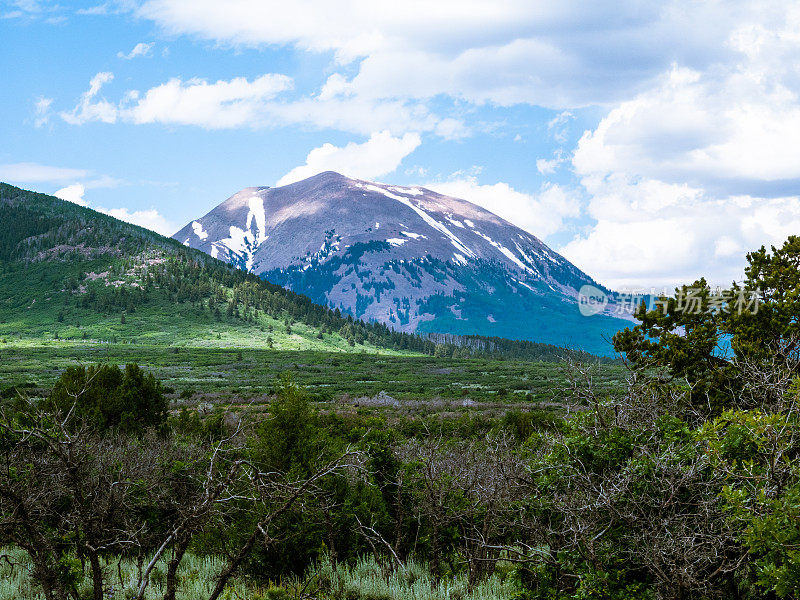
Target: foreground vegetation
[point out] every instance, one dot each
(682, 483)
(639, 496)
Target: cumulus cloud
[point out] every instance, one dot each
(240, 102)
(149, 219)
(651, 234)
(698, 168)
(541, 214)
(140, 49)
(688, 129)
(72, 193)
(380, 154)
(218, 105)
(563, 54)
(89, 108)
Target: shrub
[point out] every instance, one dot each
(107, 397)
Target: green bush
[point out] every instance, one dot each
(107, 397)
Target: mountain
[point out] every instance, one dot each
(409, 257)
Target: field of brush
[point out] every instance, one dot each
(361, 381)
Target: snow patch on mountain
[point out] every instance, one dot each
(257, 214)
(453, 221)
(425, 217)
(237, 241)
(198, 230)
(407, 191)
(506, 252)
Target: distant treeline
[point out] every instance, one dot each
(477, 345)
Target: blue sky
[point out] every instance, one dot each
(650, 143)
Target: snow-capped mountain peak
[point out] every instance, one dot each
(407, 256)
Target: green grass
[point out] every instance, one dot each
(196, 579)
(364, 580)
(153, 326)
(368, 580)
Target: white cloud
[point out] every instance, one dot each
(360, 115)
(557, 126)
(541, 214)
(97, 10)
(218, 105)
(140, 49)
(89, 109)
(687, 237)
(72, 193)
(563, 54)
(741, 125)
(255, 104)
(33, 9)
(42, 114)
(380, 154)
(149, 219)
(550, 166)
(702, 166)
(36, 173)
(546, 166)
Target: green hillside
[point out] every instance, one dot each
(68, 273)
